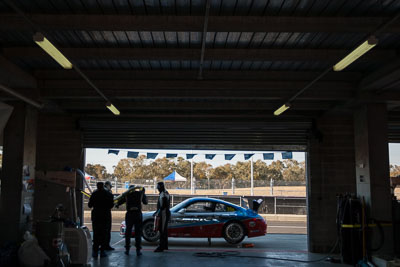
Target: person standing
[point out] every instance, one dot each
(102, 202)
(108, 186)
(133, 198)
(162, 216)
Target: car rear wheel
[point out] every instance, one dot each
(148, 232)
(233, 233)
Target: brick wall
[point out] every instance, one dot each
(331, 171)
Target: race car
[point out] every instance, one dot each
(206, 217)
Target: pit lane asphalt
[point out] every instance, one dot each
(182, 252)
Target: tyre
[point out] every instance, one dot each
(148, 232)
(233, 232)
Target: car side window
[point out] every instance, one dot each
(219, 207)
(200, 206)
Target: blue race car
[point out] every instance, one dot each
(207, 217)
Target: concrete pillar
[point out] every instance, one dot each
(59, 145)
(330, 171)
(372, 166)
(19, 154)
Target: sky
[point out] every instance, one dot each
(101, 156)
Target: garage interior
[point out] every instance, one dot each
(203, 74)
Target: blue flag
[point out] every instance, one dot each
(229, 156)
(171, 155)
(110, 151)
(210, 156)
(248, 156)
(268, 156)
(287, 155)
(190, 156)
(132, 154)
(152, 155)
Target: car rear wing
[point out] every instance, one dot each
(257, 204)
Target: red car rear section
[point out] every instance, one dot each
(256, 227)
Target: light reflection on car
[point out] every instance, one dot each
(209, 218)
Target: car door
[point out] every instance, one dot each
(178, 223)
(199, 219)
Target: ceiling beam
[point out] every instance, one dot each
(195, 23)
(194, 54)
(317, 94)
(196, 106)
(133, 89)
(159, 85)
(192, 75)
(13, 76)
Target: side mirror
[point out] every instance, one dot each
(182, 211)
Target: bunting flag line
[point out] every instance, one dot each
(152, 155)
(190, 156)
(229, 156)
(287, 155)
(247, 156)
(132, 154)
(110, 151)
(210, 156)
(268, 156)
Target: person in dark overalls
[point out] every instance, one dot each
(163, 213)
(102, 202)
(108, 186)
(133, 198)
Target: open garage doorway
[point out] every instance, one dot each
(238, 177)
(394, 159)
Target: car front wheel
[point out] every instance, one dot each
(148, 232)
(233, 233)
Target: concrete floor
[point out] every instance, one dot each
(182, 253)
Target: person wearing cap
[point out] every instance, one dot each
(101, 202)
(133, 197)
(163, 215)
(108, 186)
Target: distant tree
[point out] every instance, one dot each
(261, 171)
(241, 170)
(294, 171)
(223, 175)
(98, 171)
(130, 169)
(394, 170)
(161, 167)
(183, 167)
(275, 170)
(201, 170)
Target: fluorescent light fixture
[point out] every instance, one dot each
(282, 109)
(50, 49)
(112, 108)
(358, 52)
